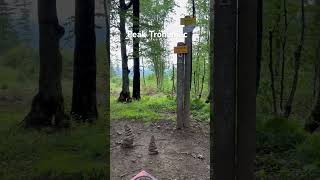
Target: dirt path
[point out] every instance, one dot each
(183, 155)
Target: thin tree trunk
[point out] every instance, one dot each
(125, 92)
(202, 80)
(172, 78)
(297, 55)
(84, 100)
(284, 42)
(274, 97)
(136, 44)
(144, 79)
(48, 104)
(259, 40)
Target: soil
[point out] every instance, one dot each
(183, 154)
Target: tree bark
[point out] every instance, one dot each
(47, 105)
(136, 42)
(84, 100)
(246, 89)
(259, 39)
(125, 92)
(224, 87)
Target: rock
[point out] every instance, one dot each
(119, 133)
(200, 156)
(153, 150)
(127, 141)
(133, 160)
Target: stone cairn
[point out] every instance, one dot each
(153, 150)
(127, 141)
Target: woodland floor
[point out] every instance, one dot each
(183, 154)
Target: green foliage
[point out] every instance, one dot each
(278, 135)
(147, 109)
(78, 153)
(200, 110)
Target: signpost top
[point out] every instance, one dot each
(188, 20)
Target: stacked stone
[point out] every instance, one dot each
(153, 150)
(127, 141)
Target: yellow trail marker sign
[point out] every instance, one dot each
(181, 50)
(188, 21)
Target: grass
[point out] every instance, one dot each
(156, 107)
(31, 154)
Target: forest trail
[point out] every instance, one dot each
(183, 154)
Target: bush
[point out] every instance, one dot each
(279, 135)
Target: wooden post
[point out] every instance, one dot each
(224, 95)
(246, 89)
(187, 72)
(180, 87)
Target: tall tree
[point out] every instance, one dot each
(48, 104)
(125, 92)
(84, 100)
(246, 89)
(136, 44)
(224, 88)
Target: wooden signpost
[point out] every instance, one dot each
(181, 51)
(184, 69)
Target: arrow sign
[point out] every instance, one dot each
(181, 50)
(188, 21)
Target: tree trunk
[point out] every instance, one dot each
(272, 84)
(246, 89)
(297, 56)
(107, 7)
(224, 87)
(259, 40)
(211, 52)
(136, 42)
(283, 52)
(125, 93)
(47, 105)
(84, 101)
